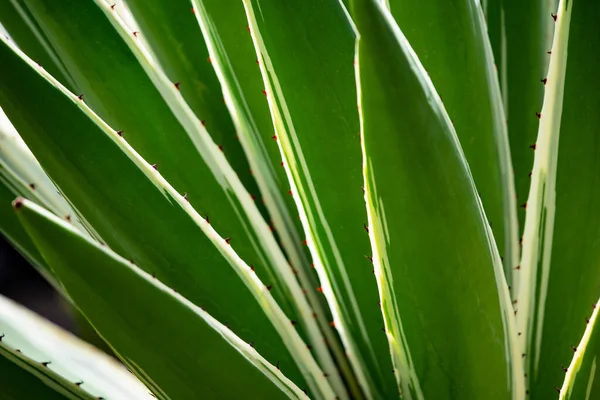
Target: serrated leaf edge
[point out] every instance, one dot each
(259, 290)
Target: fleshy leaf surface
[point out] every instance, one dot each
(116, 190)
(561, 244)
(450, 39)
(582, 381)
(444, 298)
(309, 82)
(55, 357)
(173, 346)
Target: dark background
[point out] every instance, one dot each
(22, 283)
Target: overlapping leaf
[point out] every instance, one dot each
(311, 94)
(561, 244)
(176, 244)
(581, 380)
(443, 293)
(527, 38)
(449, 37)
(40, 360)
(174, 347)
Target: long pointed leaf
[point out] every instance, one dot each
(230, 46)
(24, 30)
(174, 37)
(176, 348)
(316, 125)
(46, 350)
(528, 28)
(116, 87)
(561, 243)
(443, 294)
(177, 47)
(275, 262)
(582, 380)
(263, 171)
(450, 39)
(176, 244)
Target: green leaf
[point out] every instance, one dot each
(581, 380)
(450, 39)
(16, 18)
(174, 37)
(11, 229)
(173, 346)
(21, 175)
(236, 94)
(117, 88)
(117, 191)
(561, 244)
(308, 73)
(48, 355)
(494, 18)
(528, 28)
(230, 48)
(277, 265)
(24, 379)
(444, 298)
(176, 44)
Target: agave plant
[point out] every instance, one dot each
(358, 199)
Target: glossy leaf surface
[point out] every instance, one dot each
(443, 294)
(561, 245)
(308, 72)
(116, 191)
(582, 380)
(167, 341)
(52, 359)
(174, 37)
(16, 18)
(117, 88)
(450, 39)
(528, 30)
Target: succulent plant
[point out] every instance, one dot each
(358, 199)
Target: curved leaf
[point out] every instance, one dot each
(116, 87)
(276, 264)
(450, 39)
(16, 18)
(54, 356)
(116, 191)
(582, 380)
(174, 347)
(444, 298)
(176, 43)
(308, 76)
(175, 39)
(528, 28)
(223, 38)
(561, 243)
